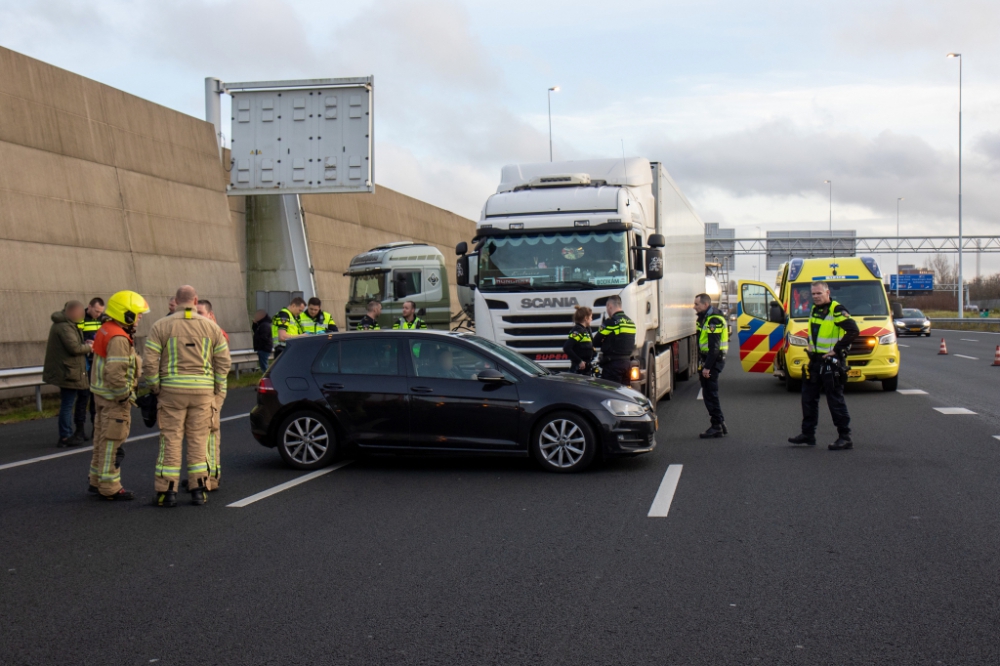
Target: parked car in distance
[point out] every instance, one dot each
(426, 391)
(913, 322)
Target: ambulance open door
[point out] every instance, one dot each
(760, 336)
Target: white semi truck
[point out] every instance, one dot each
(561, 234)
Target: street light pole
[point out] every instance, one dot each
(551, 90)
(898, 199)
(961, 281)
(830, 183)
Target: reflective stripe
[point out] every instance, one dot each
(828, 334)
(153, 345)
(703, 333)
(198, 467)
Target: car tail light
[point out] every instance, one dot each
(266, 386)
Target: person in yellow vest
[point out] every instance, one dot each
(113, 379)
(215, 434)
(314, 321)
(286, 324)
(409, 320)
(186, 364)
(831, 332)
(713, 343)
(93, 317)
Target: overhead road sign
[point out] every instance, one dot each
(784, 245)
(912, 282)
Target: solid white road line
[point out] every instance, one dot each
(971, 358)
(89, 448)
(911, 392)
(701, 397)
(902, 345)
(996, 436)
(954, 410)
(665, 494)
(287, 484)
(967, 339)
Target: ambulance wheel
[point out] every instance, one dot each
(890, 384)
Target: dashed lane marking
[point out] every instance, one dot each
(968, 339)
(996, 436)
(911, 392)
(700, 391)
(246, 501)
(90, 449)
(954, 410)
(665, 494)
(971, 358)
(908, 346)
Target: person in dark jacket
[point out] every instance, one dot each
(66, 367)
(263, 343)
(713, 343)
(580, 345)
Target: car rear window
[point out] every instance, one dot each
(328, 361)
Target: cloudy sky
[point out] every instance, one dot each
(750, 105)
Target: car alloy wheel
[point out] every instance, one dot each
(562, 443)
(307, 441)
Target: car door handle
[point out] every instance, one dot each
(747, 328)
(333, 387)
(422, 389)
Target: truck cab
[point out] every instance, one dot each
(393, 274)
(773, 329)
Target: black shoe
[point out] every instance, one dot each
(81, 433)
(121, 495)
(92, 490)
(842, 444)
(199, 497)
(712, 433)
(166, 499)
(725, 430)
(65, 442)
(803, 439)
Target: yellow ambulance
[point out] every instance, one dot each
(773, 330)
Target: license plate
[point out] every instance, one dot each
(853, 373)
(918, 329)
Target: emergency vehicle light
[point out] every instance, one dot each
(872, 266)
(794, 268)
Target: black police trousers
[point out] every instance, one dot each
(617, 371)
(834, 390)
(710, 392)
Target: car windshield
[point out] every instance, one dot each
(554, 261)
(367, 287)
(912, 314)
(522, 363)
(861, 297)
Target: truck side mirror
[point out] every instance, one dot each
(654, 263)
(656, 240)
(462, 248)
(462, 270)
(897, 310)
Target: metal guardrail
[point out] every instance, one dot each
(967, 320)
(13, 378)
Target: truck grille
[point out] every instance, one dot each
(534, 335)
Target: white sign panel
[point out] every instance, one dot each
(302, 137)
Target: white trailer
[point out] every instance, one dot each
(561, 234)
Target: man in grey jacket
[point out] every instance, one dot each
(66, 367)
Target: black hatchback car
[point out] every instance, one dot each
(440, 392)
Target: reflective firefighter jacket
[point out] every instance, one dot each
(115, 372)
(186, 353)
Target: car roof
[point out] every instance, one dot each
(429, 332)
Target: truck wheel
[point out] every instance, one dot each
(564, 442)
(890, 384)
(793, 385)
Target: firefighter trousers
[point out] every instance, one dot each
(112, 422)
(183, 415)
(214, 439)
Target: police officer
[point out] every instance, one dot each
(315, 321)
(286, 325)
(713, 343)
(617, 342)
(831, 331)
(370, 321)
(93, 317)
(409, 320)
(580, 345)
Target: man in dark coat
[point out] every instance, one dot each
(66, 367)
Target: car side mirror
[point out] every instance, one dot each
(654, 263)
(656, 240)
(462, 270)
(897, 310)
(491, 376)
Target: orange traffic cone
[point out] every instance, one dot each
(996, 357)
(943, 349)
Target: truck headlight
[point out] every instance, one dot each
(623, 408)
(887, 339)
(798, 341)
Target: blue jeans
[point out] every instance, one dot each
(263, 357)
(68, 399)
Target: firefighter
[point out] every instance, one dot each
(214, 454)
(186, 364)
(113, 378)
(713, 343)
(315, 321)
(617, 342)
(286, 324)
(370, 321)
(580, 345)
(409, 320)
(831, 332)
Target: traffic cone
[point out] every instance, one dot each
(996, 357)
(943, 349)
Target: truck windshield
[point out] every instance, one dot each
(554, 261)
(861, 298)
(367, 287)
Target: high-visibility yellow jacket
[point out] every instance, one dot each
(186, 353)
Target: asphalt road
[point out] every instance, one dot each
(770, 554)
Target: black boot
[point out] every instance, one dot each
(121, 495)
(199, 496)
(842, 444)
(81, 433)
(713, 432)
(725, 430)
(803, 439)
(168, 498)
